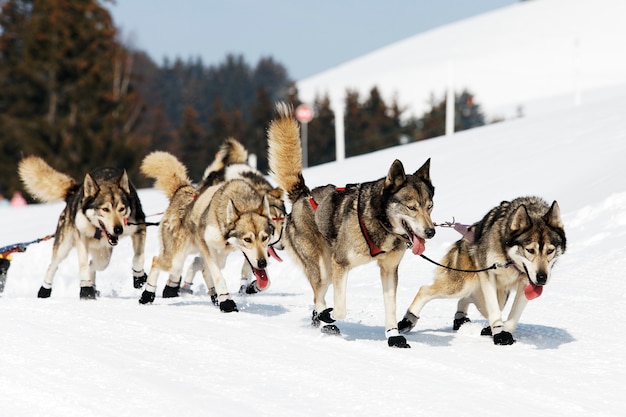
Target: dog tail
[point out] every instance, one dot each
(170, 174)
(285, 152)
(44, 182)
(231, 152)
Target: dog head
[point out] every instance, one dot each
(107, 205)
(536, 241)
(250, 232)
(409, 204)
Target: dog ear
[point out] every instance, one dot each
(90, 187)
(123, 183)
(521, 219)
(424, 172)
(396, 176)
(553, 216)
(276, 192)
(231, 212)
(266, 208)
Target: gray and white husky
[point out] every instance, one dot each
(515, 245)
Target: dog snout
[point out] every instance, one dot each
(118, 230)
(262, 263)
(542, 278)
(429, 233)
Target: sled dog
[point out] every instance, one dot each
(212, 221)
(516, 245)
(231, 162)
(331, 230)
(99, 211)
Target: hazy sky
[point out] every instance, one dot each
(307, 37)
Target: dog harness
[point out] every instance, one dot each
(374, 250)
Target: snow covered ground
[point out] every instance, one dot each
(113, 357)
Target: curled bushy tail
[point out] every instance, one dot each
(44, 182)
(170, 174)
(231, 152)
(285, 152)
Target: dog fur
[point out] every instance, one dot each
(231, 162)
(522, 239)
(99, 211)
(212, 221)
(364, 222)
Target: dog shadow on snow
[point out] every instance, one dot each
(539, 336)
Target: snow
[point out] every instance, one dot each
(66, 357)
(113, 357)
(511, 58)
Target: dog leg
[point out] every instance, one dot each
(519, 304)
(60, 250)
(139, 242)
(227, 305)
(389, 279)
(149, 291)
(492, 307)
(460, 317)
(196, 266)
(172, 287)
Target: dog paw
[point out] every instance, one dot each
(457, 323)
(407, 323)
(44, 292)
(214, 300)
(171, 292)
(503, 338)
(228, 306)
(87, 293)
(139, 281)
(330, 329)
(147, 297)
(249, 289)
(486, 331)
(398, 342)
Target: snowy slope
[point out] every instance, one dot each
(511, 57)
(113, 357)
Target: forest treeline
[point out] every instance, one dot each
(75, 95)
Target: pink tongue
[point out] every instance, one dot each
(273, 254)
(261, 278)
(419, 245)
(532, 291)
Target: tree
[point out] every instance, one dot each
(66, 91)
(321, 133)
(467, 114)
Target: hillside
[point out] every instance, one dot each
(512, 58)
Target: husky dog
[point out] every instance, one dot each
(99, 211)
(231, 162)
(515, 245)
(212, 221)
(332, 230)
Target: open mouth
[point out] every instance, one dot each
(262, 281)
(418, 244)
(112, 239)
(532, 290)
(272, 252)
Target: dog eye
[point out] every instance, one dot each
(412, 208)
(550, 251)
(105, 209)
(430, 206)
(121, 209)
(531, 251)
(247, 240)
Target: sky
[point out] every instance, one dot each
(307, 37)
